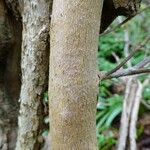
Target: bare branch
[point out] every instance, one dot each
(134, 115)
(125, 72)
(118, 26)
(127, 109)
(116, 57)
(145, 104)
(138, 69)
(143, 63)
(130, 56)
(127, 46)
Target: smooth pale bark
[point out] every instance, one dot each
(73, 82)
(34, 64)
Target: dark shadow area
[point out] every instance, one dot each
(10, 76)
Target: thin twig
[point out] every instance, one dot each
(116, 57)
(118, 26)
(145, 104)
(143, 63)
(126, 72)
(130, 56)
(127, 46)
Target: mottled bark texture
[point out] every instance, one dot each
(114, 8)
(10, 49)
(34, 66)
(73, 82)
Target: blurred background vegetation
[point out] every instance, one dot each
(111, 92)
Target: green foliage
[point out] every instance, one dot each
(106, 142)
(107, 45)
(146, 93)
(45, 133)
(46, 118)
(140, 130)
(108, 110)
(46, 97)
(138, 58)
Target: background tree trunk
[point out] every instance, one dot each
(73, 76)
(10, 49)
(34, 65)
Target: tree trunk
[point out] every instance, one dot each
(10, 49)
(73, 77)
(34, 65)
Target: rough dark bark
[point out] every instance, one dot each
(114, 8)
(108, 15)
(34, 67)
(10, 49)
